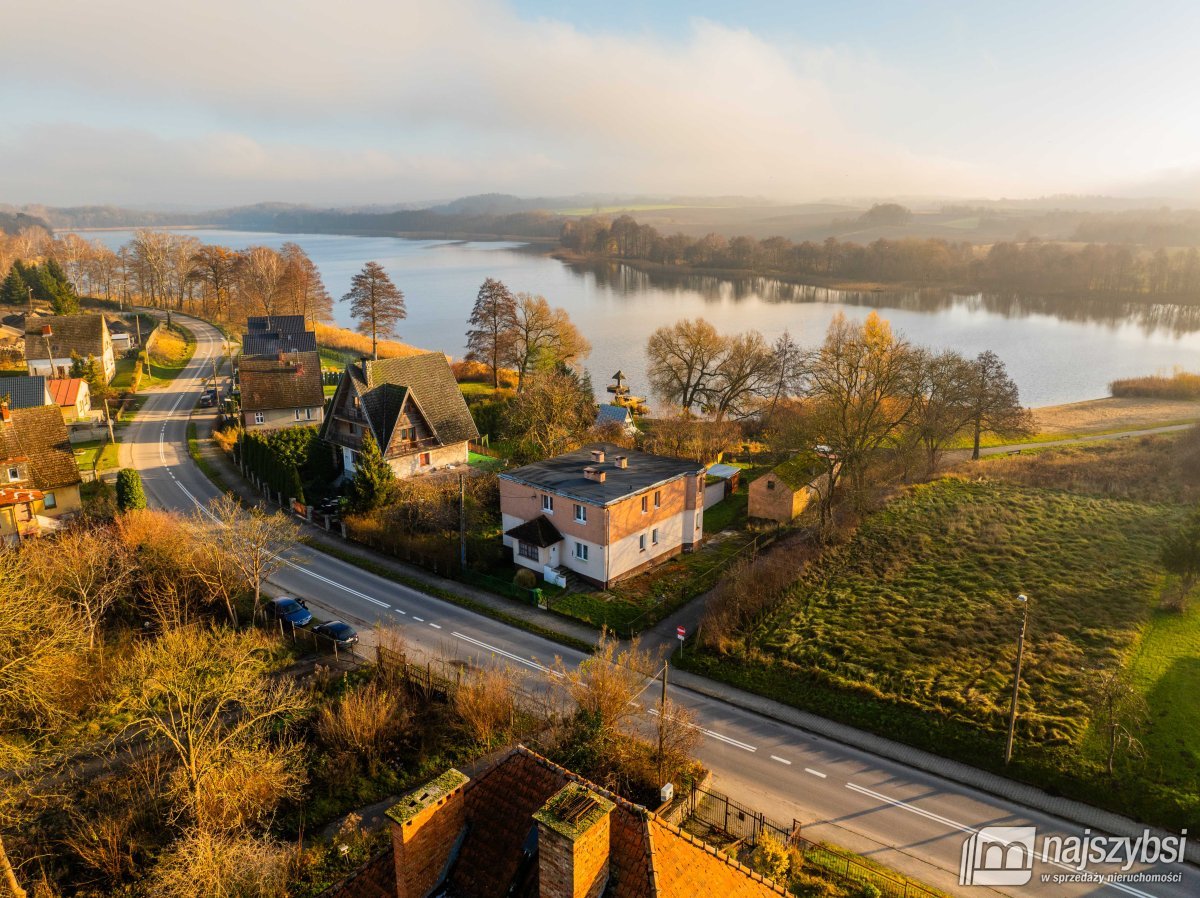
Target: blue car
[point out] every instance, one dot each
(339, 632)
(294, 611)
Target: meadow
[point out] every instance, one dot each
(909, 630)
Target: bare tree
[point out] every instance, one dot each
(493, 323)
(553, 416)
(605, 684)
(206, 864)
(543, 338)
(682, 360)
(376, 304)
(994, 401)
(1120, 710)
(306, 291)
(486, 704)
(787, 378)
(942, 401)
(207, 696)
(253, 539)
(745, 375)
(260, 277)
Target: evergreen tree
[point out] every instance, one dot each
(374, 481)
(493, 329)
(15, 291)
(376, 304)
(130, 494)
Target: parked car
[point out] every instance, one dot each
(331, 506)
(294, 611)
(338, 632)
(208, 398)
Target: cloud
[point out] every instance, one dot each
(379, 100)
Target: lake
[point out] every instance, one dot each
(1057, 350)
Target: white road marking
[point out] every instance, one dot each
(421, 619)
(436, 626)
(501, 652)
(781, 760)
(962, 827)
(815, 772)
(398, 611)
(719, 736)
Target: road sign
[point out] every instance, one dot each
(680, 633)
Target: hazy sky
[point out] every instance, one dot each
(233, 101)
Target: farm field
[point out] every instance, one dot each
(909, 630)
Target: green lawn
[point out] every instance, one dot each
(329, 390)
(484, 462)
(909, 630)
(728, 514)
(87, 454)
(475, 391)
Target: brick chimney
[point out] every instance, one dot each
(593, 473)
(598, 456)
(573, 843)
(428, 826)
(621, 461)
(5, 414)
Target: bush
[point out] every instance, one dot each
(1180, 385)
(770, 858)
(130, 494)
(525, 578)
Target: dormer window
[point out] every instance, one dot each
(14, 473)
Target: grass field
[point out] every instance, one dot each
(96, 454)
(909, 630)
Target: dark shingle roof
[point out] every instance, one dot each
(563, 474)
(538, 532)
(279, 324)
(23, 392)
(40, 435)
(273, 343)
(81, 334)
(427, 376)
(295, 382)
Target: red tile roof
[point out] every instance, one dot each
(64, 391)
(10, 496)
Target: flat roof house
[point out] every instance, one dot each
(284, 391)
(50, 341)
(602, 512)
(412, 406)
(39, 480)
(524, 827)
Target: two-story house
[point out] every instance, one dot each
(39, 480)
(412, 406)
(281, 391)
(603, 512)
(51, 340)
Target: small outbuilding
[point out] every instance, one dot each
(786, 490)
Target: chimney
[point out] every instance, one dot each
(428, 826)
(591, 473)
(573, 843)
(5, 414)
(621, 461)
(598, 456)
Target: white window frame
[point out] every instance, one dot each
(258, 418)
(297, 414)
(654, 537)
(524, 549)
(581, 551)
(14, 473)
(547, 503)
(641, 542)
(658, 498)
(49, 500)
(308, 414)
(580, 513)
(645, 504)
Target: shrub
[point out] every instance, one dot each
(130, 494)
(770, 858)
(1180, 385)
(525, 578)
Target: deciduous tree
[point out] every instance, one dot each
(255, 539)
(543, 338)
(682, 360)
(376, 304)
(553, 415)
(994, 401)
(493, 324)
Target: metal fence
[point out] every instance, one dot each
(743, 824)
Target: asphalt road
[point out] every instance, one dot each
(905, 818)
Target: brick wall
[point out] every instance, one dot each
(422, 844)
(573, 868)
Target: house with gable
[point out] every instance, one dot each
(39, 480)
(52, 340)
(412, 406)
(284, 390)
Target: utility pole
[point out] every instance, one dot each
(29, 290)
(1012, 714)
(462, 520)
(108, 418)
(662, 724)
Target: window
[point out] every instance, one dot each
(658, 498)
(547, 503)
(50, 501)
(642, 543)
(258, 418)
(580, 514)
(14, 474)
(308, 414)
(645, 504)
(424, 459)
(353, 430)
(297, 414)
(527, 550)
(770, 484)
(581, 551)
(408, 433)
(654, 536)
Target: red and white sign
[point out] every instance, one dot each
(680, 633)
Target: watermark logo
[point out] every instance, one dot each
(998, 856)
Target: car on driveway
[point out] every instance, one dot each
(338, 632)
(294, 611)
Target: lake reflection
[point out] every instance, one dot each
(1057, 349)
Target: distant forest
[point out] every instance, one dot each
(1031, 266)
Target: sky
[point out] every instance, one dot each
(223, 102)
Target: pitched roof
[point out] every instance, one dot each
(384, 384)
(81, 334)
(279, 324)
(723, 471)
(40, 435)
(273, 342)
(64, 391)
(648, 857)
(538, 532)
(294, 382)
(799, 470)
(24, 392)
(563, 474)
(10, 496)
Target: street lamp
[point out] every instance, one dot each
(1012, 714)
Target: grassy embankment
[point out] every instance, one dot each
(909, 630)
(169, 354)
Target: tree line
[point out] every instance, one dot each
(1029, 266)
